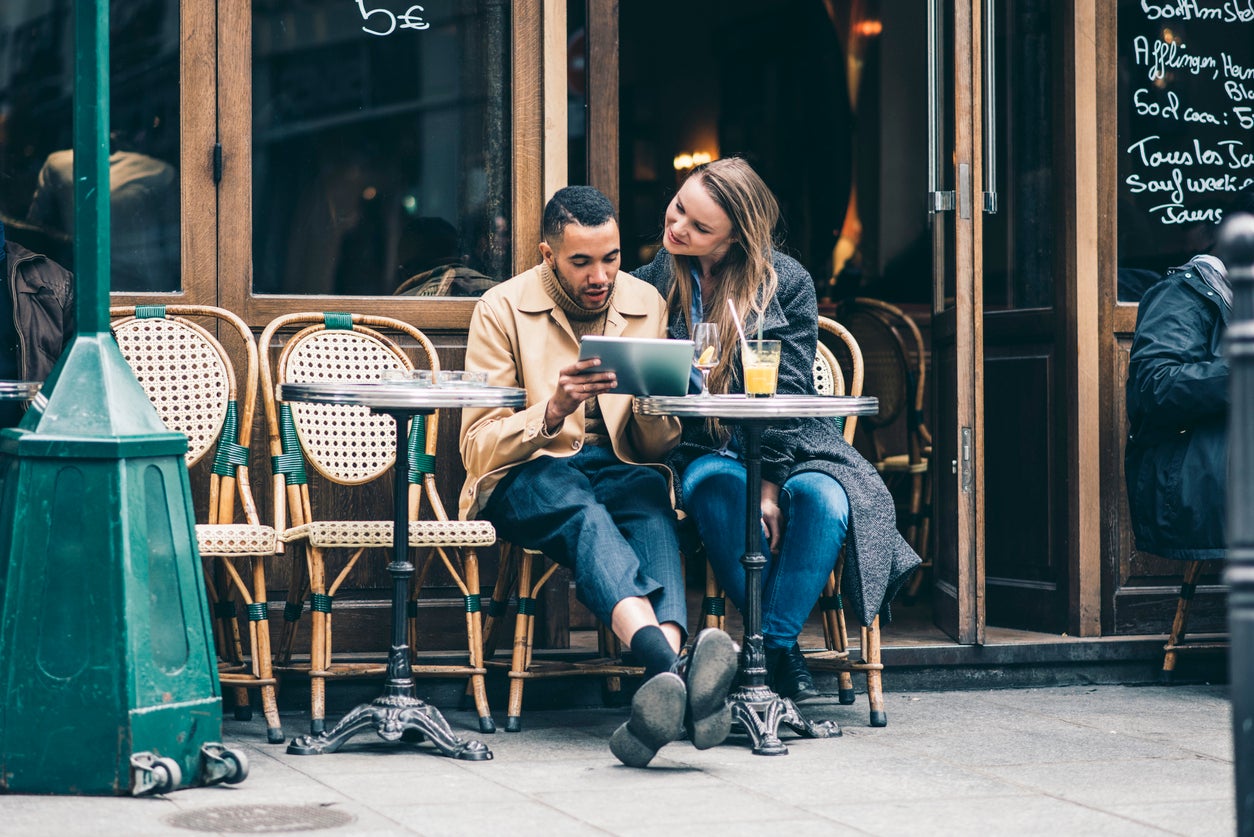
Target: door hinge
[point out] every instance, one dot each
(966, 460)
(217, 163)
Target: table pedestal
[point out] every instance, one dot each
(398, 714)
(754, 705)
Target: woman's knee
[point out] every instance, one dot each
(817, 496)
(714, 479)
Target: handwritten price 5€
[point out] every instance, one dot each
(386, 22)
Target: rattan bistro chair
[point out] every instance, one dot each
(189, 377)
(830, 379)
(894, 354)
(522, 576)
(1176, 644)
(350, 446)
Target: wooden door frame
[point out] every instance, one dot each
(966, 622)
(1081, 314)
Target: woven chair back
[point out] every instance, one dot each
(186, 373)
(349, 445)
(886, 366)
(827, 376)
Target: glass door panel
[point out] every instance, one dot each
(381, 149)
(36, 144)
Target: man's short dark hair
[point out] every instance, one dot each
(582, 205)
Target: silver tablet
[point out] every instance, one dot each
(644, 365)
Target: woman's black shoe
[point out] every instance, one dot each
(788, 674)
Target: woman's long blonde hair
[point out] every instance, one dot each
(745, 274)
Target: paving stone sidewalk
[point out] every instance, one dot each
(1108, 760)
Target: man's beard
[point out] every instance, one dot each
(575, 295)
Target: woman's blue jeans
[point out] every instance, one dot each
(816, 515)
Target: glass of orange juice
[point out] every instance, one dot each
(761, 365)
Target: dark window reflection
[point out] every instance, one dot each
(1019, 238)
(380, 146)
(36, 136)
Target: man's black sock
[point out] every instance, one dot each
(649, 645)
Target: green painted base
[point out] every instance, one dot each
(103, 613)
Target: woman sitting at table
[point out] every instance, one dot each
(818, 493)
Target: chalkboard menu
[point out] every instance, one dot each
(1186, 126)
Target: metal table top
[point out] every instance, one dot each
(18, 390)
(738, 406)
(402, 395)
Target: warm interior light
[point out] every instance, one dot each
(689, 159)
(869, 28)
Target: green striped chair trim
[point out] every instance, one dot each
(291, 462)
(420, 462)
(831, 603)
(338, 320)
(231, 454)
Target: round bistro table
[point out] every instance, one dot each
(754, 705)
(398, 712)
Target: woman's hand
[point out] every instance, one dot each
(772, 516)
(575, 385)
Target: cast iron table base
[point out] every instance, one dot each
(398, 714)
(755, 707)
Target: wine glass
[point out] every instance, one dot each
(705, 352)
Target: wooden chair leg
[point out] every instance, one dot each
(607, 646)
(522, 643)
(499, 603)
(918, 531)
(298, 589)
(874, 684)
(1179, 624)
(320, 629)
(263, 662)
(714, 605)
(474, 637)
(834, 631)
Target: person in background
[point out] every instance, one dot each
(569, 475)
(818, 493)
(36, 317)
(431, 263)
(144, 206)
(1176, 456)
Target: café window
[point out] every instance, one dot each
(381, 147)
(36, 136)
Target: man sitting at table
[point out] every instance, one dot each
(574, 475)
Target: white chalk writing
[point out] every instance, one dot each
(1190, 141)
(382, 21)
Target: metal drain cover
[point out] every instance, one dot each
(260, 819)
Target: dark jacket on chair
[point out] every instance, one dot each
(42, 295)
(1176, 457)
(878, 561)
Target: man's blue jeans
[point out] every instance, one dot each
(816, 515)
(610, 521)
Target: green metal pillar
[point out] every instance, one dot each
(108, 678)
